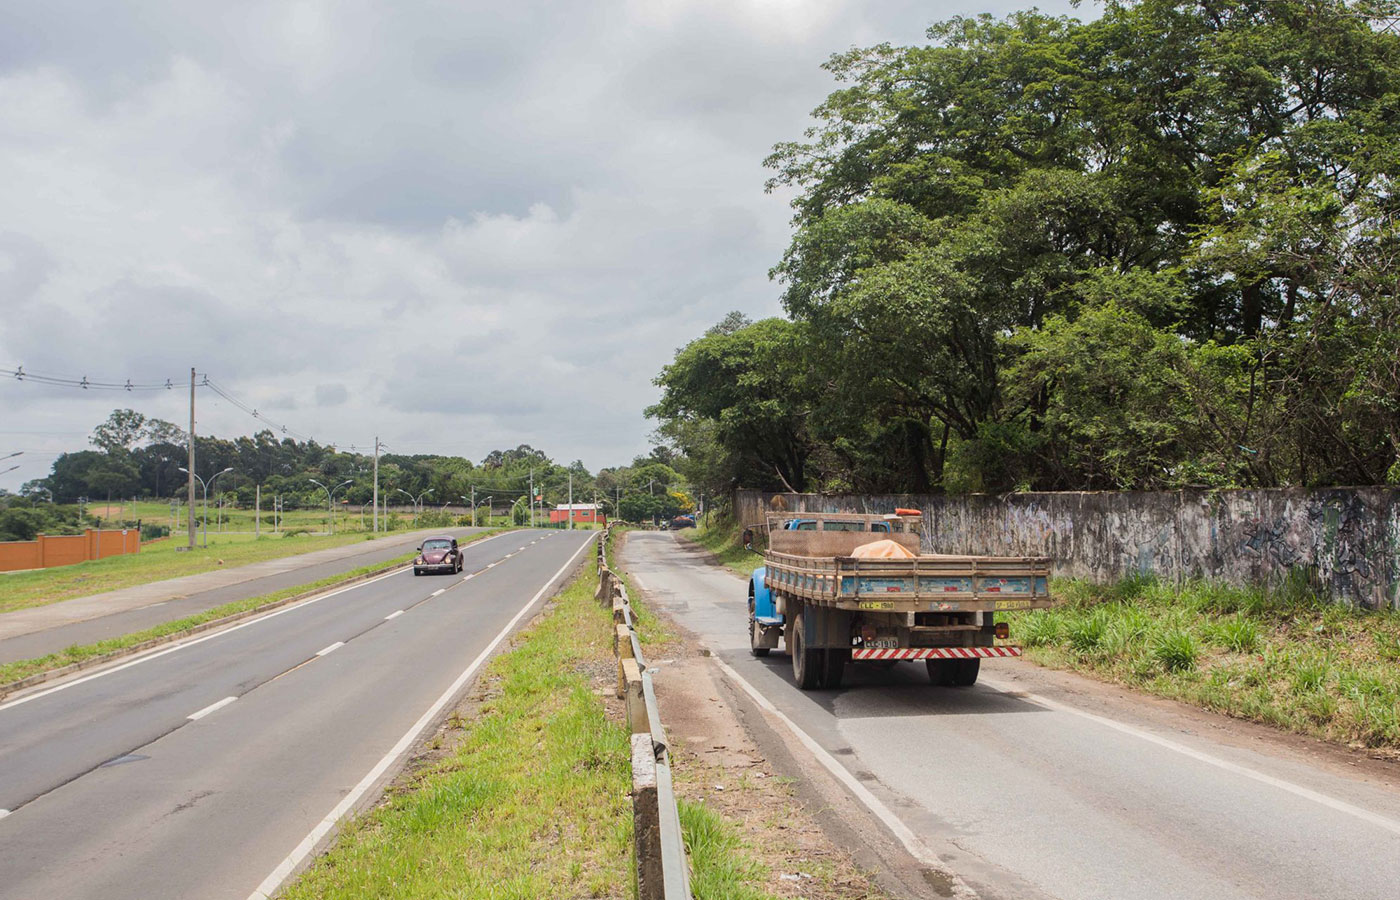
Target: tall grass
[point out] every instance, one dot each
(1280, 655)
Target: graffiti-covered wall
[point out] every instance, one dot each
(1348, 538)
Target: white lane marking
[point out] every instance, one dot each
(333, 647)
(1297, 790)
(190, 642)
(393, 615)
(308, 844)
(211, 708)
(490, 566)
(911, 841)
(438, 591)
(4, 813)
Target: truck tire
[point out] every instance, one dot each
(940, 671)
(753, 633)
(964, 672)
(834, 666)
(807, 665)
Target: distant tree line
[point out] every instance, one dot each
(139, 457)
(1153, 250)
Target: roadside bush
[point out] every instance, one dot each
(1040, 629)
(1086, 634)
(150, 532)
(1175, 650)
(1238, 634)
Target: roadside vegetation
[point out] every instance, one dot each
(723, 537)
(1281, 656)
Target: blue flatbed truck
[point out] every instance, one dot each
(829, 608)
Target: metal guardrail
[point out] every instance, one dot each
(663, 872)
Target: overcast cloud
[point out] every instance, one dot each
(461, 226)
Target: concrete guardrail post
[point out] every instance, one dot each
(633, 698)
(646, 820)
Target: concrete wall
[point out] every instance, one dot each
(66, 549)
(1348, 538)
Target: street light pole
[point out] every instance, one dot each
(330, 498)
(205, 485)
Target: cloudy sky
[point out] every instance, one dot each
(458, 225)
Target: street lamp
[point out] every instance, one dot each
(417, 501)
(205, 485)
(330, 498)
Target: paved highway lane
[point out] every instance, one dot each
(288, 572)
(1036, 784)
(147, 780)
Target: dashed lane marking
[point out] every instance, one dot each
(211, 708)
(333, 647)
(393, 615)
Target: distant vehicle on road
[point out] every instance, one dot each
(680, 522)
(438, 554)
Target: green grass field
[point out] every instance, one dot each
(1284, 656)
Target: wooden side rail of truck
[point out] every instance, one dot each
(830, 608)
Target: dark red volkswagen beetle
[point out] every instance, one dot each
(438, 554)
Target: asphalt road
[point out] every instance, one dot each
(51, 640)
(1036, 784)
(145, 780)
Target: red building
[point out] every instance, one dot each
(582, 512)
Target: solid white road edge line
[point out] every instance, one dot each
(1298, 790)
(210, 708)
(156, 653)
(333, 647)
(911, 841)
(393, 615)
(308, 844)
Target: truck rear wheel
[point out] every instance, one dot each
(834, 666)
(753, 633)
(965, 672)
(940, 671)
(807, 665)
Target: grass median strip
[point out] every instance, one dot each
(19, 669)
(1282, 656)
(531, 798)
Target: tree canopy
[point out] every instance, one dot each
(1151, 250)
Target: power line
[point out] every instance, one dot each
(87, 384)
(252, 411)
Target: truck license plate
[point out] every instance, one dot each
(883, 643)
(1013, 604)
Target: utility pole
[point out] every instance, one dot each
(571, 501)
(473, 506)
(257, 512)
(191, 463)
(532, 497)
(376, 485)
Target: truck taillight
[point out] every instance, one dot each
(1003, 630)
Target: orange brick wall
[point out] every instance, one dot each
(66, 549)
